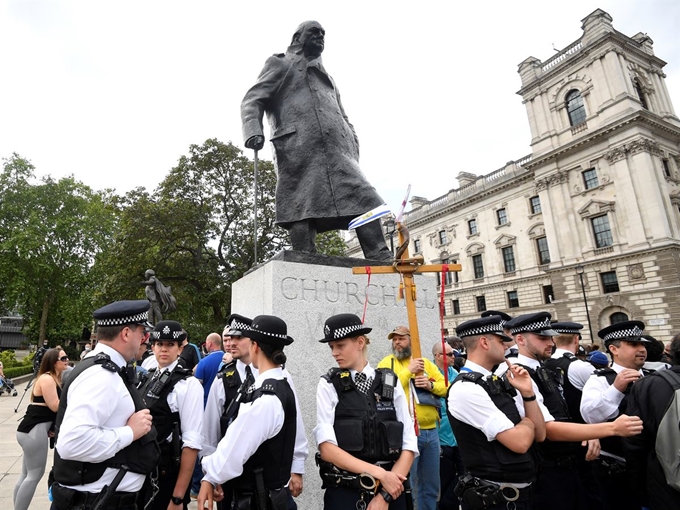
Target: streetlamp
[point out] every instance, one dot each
(579, 271)
(390, 228)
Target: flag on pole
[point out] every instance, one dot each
(403, 205)
(371, 215)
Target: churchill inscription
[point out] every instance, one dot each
(334, 291)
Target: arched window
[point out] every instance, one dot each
(617, 317)
(575, 108)
(640, 94)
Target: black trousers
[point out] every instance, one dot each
(450, 470)
(617, 492)
(166, 486)
(344, 498)
(559, 488)
(54, 507)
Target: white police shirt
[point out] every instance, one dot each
(579, 371)
(600, 401)
(327, 400)
(214, 408)
(256, 422)
(94, 426)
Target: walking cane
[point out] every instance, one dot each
(255, 207)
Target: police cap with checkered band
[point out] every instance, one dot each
(123, 313)
(629, 331)
(168, 331)
(567, 328)
(237, 325)
(270, 330)
(344, 325)
(491, 325)
(536, 323)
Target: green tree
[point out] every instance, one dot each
(50, 231)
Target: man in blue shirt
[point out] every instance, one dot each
(207, 368)
(450, 462)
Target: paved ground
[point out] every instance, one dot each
(11, 453)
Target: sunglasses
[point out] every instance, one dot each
(449, 354)
(63, 358)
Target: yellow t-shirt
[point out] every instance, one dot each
(428, 416)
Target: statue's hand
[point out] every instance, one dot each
(255, 142)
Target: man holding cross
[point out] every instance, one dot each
(422, 378)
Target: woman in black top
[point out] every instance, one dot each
(34, 429)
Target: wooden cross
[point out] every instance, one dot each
(408, 267)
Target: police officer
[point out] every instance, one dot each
(104, 434)
(559, 485)
(575, 371)
(229, 389)
(175, 399)
(232, 380)
(496, 421)
(364, 430)
(511, 350)
(230, 386)
(605, 396)
(256, 454)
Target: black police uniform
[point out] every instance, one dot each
(155, 391)
(133, 462)
(366, 426)
(612, 474)
(139, 457)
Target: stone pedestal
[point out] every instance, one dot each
(306, 290)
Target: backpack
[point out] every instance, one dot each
(667, 444)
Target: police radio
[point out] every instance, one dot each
(389, 381)
(157, 385)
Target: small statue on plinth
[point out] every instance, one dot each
(159, 295)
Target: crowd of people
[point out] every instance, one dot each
(512, 413)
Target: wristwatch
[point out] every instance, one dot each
(177, 501)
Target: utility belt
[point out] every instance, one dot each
(565, 461)
(274, 499)
(609, 467)
(479, 494)
(70, 499)
(333, 476)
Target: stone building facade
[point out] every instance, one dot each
(599, 195)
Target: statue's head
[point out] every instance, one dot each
(310, 35)
(149, 272)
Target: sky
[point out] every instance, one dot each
(115, 92)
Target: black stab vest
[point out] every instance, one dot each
(491, 460)
(141, 456)
(615, 444)
(572, 394)
(549, 383)
(275, 455)
(366, 425)
(163, 418)
(231, 381)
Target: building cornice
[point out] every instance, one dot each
(638, 117)
(621, 42)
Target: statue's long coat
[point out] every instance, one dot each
(316, 150)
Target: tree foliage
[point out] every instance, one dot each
(50, 231)
(66, 250)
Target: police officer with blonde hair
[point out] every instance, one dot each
(364, 431)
